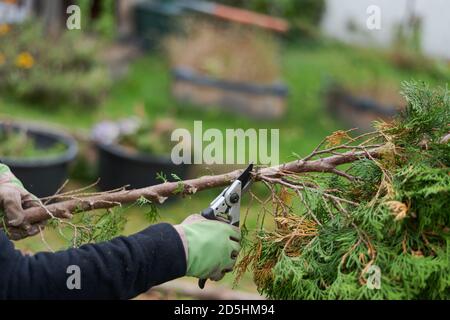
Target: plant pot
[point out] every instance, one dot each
(254, 100)
(358, 111)
(118, 168)
(42, 176)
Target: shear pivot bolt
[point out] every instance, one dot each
(234, 198)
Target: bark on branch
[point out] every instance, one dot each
(158, 193)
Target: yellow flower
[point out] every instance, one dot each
(4, 29)
(2, 59)
(25, 60)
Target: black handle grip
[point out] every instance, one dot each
(208, 213)
(201, 283)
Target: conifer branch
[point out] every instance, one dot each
(159, 193)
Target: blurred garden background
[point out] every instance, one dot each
(136, 70)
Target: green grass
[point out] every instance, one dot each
(306, 69)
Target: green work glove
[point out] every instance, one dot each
(211, 247)
(14, 198)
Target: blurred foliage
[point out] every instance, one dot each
(152, 137)
(105, 24)
(18, 144)
(406, 52)
(51, 72)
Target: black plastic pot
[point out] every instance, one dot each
(117, 168)
(42, 176)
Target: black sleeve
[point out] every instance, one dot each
(119, 269)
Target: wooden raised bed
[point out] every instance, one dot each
(254, 100)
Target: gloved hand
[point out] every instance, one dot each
(14, 198)
(211, 247)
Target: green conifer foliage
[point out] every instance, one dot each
(393, 216)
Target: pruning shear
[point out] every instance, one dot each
(227, 206)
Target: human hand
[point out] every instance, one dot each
(14, 198)
(211, 247)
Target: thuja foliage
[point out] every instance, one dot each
(103, 225)
(392, 220)
(90, 228)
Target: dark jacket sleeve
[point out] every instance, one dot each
(119, 269)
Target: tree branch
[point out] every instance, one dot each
(159, 193)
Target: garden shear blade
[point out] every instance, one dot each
(227, 206)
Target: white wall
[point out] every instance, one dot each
(435, 16)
